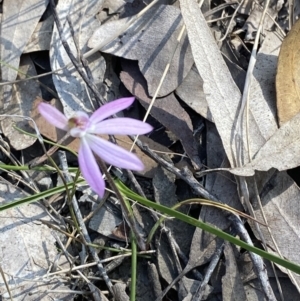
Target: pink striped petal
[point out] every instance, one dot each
(111, 108)
(113, 154)
(53, 116)
(89, 168)
(121, 126)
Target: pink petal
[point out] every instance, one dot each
(53, 116)
(111, 108)
(114, 154)
(121, 126)
(89, 168)
(81, 116)
(79, 124)
(77, 132)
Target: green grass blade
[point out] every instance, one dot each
(197, 223)
(39, 168)
(38, 196)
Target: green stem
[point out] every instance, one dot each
(206, 227)
(126, 208)
(133, 267)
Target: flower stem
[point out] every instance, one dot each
(133, 267)
(126, 209)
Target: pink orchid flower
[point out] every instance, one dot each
(87, 128)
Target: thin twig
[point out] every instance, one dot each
(188, 177)
(184, 174)
(258, 263)
(6, 283)
(230, 22)
(211, 267)
(241, 181)
(51, 151)
(173, 244)
(85, 233)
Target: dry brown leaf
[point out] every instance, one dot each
(17, 16)
(28, 249)
(193, 82)
(166, 110)
(232, 285)
(70, 87)
(40, 39)
(151, 40)
(288, 76)
(261, 120)
(165, 194)
(222, 94)
(196, 100)
(150, 165)
(106, 220)
(281, 151)
(22, 95)
(280, 200)
(223, 97)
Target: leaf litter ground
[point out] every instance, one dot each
(198, 125)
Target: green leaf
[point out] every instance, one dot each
(197, 223)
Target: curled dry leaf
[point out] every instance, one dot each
(288, 76)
